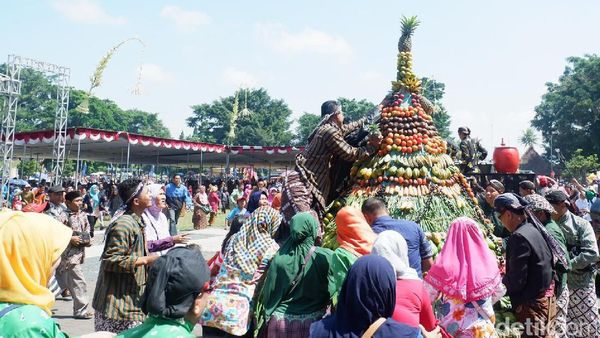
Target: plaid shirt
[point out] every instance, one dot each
(120, 284)
(314, 163)
(74, 255)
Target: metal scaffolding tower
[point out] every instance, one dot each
(10, 86)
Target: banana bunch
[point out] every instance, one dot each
(407, 191)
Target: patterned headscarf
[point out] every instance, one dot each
(254, 240)
(539, 203)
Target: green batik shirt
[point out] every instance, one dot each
(583, 249)
(28, 321)
(155, 326)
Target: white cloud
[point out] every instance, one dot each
(308, 41)
(155, 74)
(86, 11)
(185, 20)
(238, 78)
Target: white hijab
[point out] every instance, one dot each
(157, 224)
(392, 246)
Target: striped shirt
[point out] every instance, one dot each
(120, 284)
(314, 163)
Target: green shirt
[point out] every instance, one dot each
(28, 321)
(583, 249)
(155, 326)
(561, 271)
(341, 261)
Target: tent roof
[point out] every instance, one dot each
(111, 146)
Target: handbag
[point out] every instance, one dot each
(85, 237)
(373, 328)
(205, 208)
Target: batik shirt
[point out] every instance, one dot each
(120, 283)
(58, 211)
(74, 255)
(583, 249)
(314, 163)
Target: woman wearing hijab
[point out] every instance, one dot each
(201, 208)
(217, 260)
(25, 302)
(294, 294)
(215, 203)
(257, 199)
(247, 256)
(92, 201)
(412, 300)
(174, 297)
(466, 280)
(366, 303)
(272, 193)
(158, 238)
(355, 239)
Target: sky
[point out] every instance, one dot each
(494, 58)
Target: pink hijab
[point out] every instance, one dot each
(466, 268)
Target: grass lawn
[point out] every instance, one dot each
(185, 222)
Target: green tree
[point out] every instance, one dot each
(28, 167)
(306, 124)
(37, 108)
(37, 103)
(69, 167)
(266, 124)
(528, 138)
(145, 123)
(106, 114)
(434, 91)
(579, 165)
(569, 114)
(355, 109)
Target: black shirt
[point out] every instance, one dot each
(528, 264)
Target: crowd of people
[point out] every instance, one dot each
(272, 278)
(381, 279)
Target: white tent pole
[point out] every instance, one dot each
(77, 177)
(128, 149)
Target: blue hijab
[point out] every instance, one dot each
(368, 293)
(254, 201)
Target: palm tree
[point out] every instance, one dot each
(529, 138)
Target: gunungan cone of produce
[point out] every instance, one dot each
(411, 170)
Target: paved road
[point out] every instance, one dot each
(208, 239)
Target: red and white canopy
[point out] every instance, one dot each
(113, 146)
